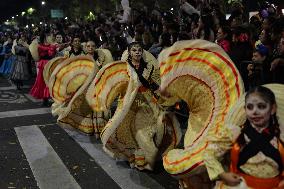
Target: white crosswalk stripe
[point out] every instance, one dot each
(32, 98)
(46, 165)
(19, 113)
(126, 178)
(49, 171)
(13, 87)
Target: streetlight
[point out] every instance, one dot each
(91, 16)
(43, 3)
(23, 13)
(17, 15)
(13, 17)
(30, 10)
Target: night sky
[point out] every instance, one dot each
(9, 8)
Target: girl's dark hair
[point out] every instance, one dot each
(264, 92)
(268, 96)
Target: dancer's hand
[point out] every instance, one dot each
(230, 179)
(164, 93)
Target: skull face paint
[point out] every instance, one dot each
(258, 110)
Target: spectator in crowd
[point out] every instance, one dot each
(164, 42)
(205, 26)
(268, 22)
(241, 40)
(183, 36)
(60, 45)
(277, 65)
(101, 38)
(218, 16)
(237, 17)
(90, 50)
(258, 71)
(265, 39)
(147, 38)
(223, 38)
(75, 49)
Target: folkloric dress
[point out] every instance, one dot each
(39, 89)
(20, 67)
(69, 92)
(137, 131)
(8, 59)
(201, 74)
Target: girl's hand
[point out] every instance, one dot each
(281, 185)
(230, 179)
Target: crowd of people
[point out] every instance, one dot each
(260, 35)
(255, 45)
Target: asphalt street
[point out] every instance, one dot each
(37, 153)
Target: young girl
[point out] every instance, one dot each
(257, 155)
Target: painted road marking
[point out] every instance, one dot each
(47, 167)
